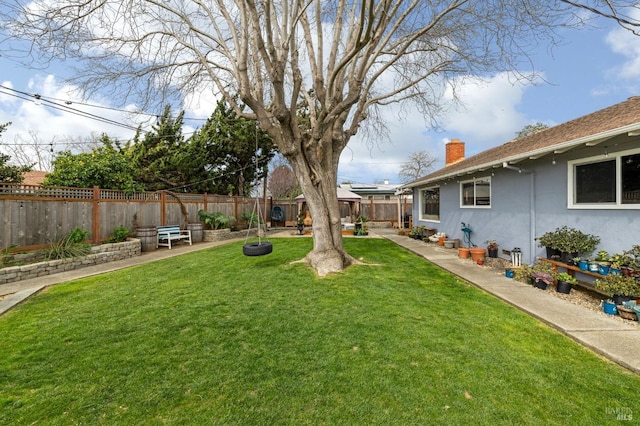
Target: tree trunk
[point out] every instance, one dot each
(320, 192)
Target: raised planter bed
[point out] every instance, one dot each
(102, 253)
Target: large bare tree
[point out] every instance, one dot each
(310, 71)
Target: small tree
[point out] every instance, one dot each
(10, 173)
(282, 182)
(530, 129)
(106, 166)
(418, 165)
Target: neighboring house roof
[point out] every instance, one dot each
(366, 188)
(34, 177)
(343, 195)
(591, 129)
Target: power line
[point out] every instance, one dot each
(62, 107)
(69, 102)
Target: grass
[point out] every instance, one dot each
(214, 337)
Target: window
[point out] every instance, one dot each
(605, 183)
(476, 193)
(431, 204)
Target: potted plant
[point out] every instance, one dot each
(603, 261)
(633, 261)
(619, 261)
(565, 283)
(568, 243)
(523, 274)
(492, 248)
(542, 274)
(542, 279)
(619, 287)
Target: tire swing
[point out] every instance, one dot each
(259, 248)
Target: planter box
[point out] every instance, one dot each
(103, 253)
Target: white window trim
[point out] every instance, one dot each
(474, 206)
(421, 206)
(596, 159)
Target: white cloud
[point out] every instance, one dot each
(625, 43)
(48, 121)
(488, 117)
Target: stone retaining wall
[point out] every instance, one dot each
(372, 224)
(213, 235)
(99, 254)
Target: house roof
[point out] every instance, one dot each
(343, 195)
(591, 129)
(34, 177)
(366, 188)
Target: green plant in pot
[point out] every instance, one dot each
(492, 248)
(542, 274)
(619, 287)
(565, 283)
(569, 242)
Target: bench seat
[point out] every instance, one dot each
(168, 234)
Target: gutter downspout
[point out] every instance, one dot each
(532, 216)
(532, 210)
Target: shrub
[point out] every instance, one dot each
(71, 245)
(215, 220)
(120, 234)
(618, 284)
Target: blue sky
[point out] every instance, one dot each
(593, 68)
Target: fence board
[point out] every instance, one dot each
(32, 215)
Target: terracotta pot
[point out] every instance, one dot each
(478, 253)
(463, 252)
(441, 241)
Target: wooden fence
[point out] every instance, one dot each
(32, 216)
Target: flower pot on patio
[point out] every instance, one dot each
(463, 252)
(478, 253)
(540, 284)
(609, 307)
(148, 236)
(564, 287)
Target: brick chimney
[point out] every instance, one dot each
(454, 152)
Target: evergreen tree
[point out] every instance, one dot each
(221, 156)
(9, 173)
(156, 155)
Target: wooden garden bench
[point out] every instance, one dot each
(168, 234)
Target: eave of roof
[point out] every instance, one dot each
(591, 129)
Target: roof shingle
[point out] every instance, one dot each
(609, 119)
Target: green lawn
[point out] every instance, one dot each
(214, 337)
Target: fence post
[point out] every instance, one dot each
(95, 220)
(235, 206)
(371, 209)
(163, 208)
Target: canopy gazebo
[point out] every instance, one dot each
(344, 197)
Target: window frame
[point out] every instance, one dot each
(475, 204)
(422, 212)
(571, 182)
